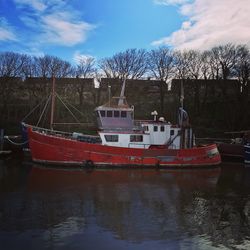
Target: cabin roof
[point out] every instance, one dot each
(114, 104)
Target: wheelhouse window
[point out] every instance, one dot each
(145, 128)
(162, 128)
(109, 113)
(116, 113)
(111, 138)
(136, 138)
(123, 114)
(155, 128)
(171, 132)
(103, 113)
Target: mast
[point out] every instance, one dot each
(121, 99)
(182, 93)
(52, 103)
(182, 138)
(180, 111)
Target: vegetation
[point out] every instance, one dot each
(222, 62)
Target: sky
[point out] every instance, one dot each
(74, 29)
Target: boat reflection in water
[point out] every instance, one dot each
(129, 205)
(125, 209)
(56, 177)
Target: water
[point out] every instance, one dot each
(43, 208)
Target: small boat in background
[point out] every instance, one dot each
(2, 150)
(123, 141)
(236, 149)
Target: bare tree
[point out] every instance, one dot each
(109, 67)
(61, 68)
(224, 58)
(130, 64)
(206, 75)
(189, 66)
(214, 64)
(29, 68)
(160, 65)
(205, 64)
(242, 71)
(242, 66)
(194, 64)
(84, 69)
(181, 62)
(11, 65)
(194, 67)
(48, 66)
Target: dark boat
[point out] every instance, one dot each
(236, 149)
(231, 151)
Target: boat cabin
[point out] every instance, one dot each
(162, 133)
(118, 128)
(148, 134)
(112, 116)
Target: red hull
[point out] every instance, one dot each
(54, 149)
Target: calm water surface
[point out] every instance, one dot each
(44, 208)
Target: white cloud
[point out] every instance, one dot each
(79, 57)
(6, 32)
(210, 23)
(171, 2)
(60, 29)
(38, 5)
(54, 22)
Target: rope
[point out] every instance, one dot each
(74, 107)
(45, 107)
(67, 107)
(33, 109)
(15, 143)
(77, 110)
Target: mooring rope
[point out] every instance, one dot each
(15, 143)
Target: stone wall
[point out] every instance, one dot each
(211, 104)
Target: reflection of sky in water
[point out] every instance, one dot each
(55, 209)
(67, 229)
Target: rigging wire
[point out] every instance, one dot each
(67, 107)
(33, 109)
(45, 107)
(81, 113)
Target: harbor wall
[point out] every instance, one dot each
(216, 105)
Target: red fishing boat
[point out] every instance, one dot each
(123, 141)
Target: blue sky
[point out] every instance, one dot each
(100, 28)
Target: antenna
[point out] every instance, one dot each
(109, 89)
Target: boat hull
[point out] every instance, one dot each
(230, 151)
(53, 149)
(247, 153)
